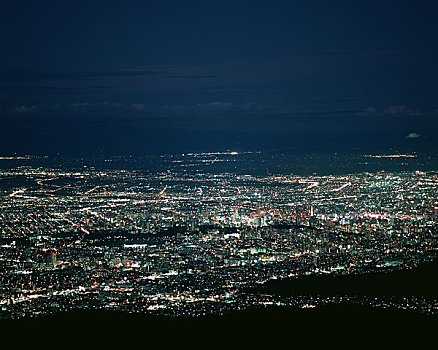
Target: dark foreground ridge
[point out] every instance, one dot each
(343, 325)
(418, 281)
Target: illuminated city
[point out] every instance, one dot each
(186, 241)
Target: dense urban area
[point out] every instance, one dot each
(183, 240)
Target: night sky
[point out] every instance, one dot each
(135, 77)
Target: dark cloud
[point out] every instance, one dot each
(370, 111)
(402, 110)
(191, 77)
(212, 107)
(88, 108)
(25, 74)
(138, 106)
(394, 111)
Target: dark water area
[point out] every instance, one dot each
(419, 281)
